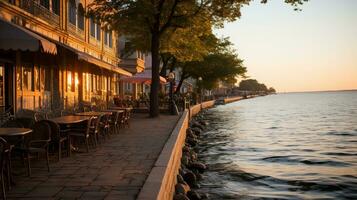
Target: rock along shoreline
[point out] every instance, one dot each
(191, 169)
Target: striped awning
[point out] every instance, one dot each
(15, 37)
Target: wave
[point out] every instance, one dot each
(239, 175)
(293, 160)
(339, 154)
(342, 133)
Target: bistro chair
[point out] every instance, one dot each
(114, 122)
(122, 119)
(13, 123)
(57, 139)
(82, 134)
(40, 116)
(5, 161)
(94, 130)
(104, 126)
(127, 115)
(37, 143)
(27, 122)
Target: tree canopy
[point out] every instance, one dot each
(254, 85)
(148, 22)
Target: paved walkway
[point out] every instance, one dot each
(115, 170)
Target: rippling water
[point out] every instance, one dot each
(285, 146)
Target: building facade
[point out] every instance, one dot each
(54, 57)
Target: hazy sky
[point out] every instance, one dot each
(315, 49)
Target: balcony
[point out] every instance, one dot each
(73, 30)
(39, 11)
(133, 65)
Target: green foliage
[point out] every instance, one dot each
(169, 26)
(271, 90)
(222, 64)
(253, 85)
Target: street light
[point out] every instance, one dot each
(171, 78)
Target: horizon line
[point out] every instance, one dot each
(343, 90)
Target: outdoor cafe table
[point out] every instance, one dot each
(112, 110)
(93, 113)
(70, 119)
(14, 131)
(121, 108)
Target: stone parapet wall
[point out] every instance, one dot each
(161, 181)
(197, 108)
(232, 99)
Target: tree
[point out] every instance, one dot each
(146, 22)
(220, 64)
(252, 85)
(271, 90)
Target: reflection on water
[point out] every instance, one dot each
(286, 146)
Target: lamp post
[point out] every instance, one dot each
(171, 78)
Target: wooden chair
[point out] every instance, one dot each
(114, 122)
(82, 134)
(57, 139)
(104, 126)
(127, 115)
(38, 142)
(40, 116)
(5, 162)
(14, 123)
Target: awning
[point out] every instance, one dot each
(100, 63)
(15, 37)
(91, 59)
(143, 77)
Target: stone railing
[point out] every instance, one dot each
(162, 179)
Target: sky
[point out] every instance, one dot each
(310, 50)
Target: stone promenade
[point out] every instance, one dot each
(117, 169)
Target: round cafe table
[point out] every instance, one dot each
(14, 131)
(70, 119)
(93, 113)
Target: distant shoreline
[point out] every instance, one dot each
(351, 90)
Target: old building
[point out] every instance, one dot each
(54, 57)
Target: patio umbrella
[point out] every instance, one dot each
(143, 77)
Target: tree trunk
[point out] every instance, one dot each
(180, 84)
(155, 77)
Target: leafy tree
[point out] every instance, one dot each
(147, 22)
(221, 65)
(253, 85)
(271, 90)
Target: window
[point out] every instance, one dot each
(80, 17)
(104, 84)
(106, 37)
(45, 3)
(72, 12)
(70, 81)
(56, 6)
(18, 78)
(36, 75)
(98, 31)
(27, 78)
(92, 26)
(110, 38)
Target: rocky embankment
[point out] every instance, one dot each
(190, 172)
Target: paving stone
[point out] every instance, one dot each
(117, 169)
(94, 195)
(44, 191)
